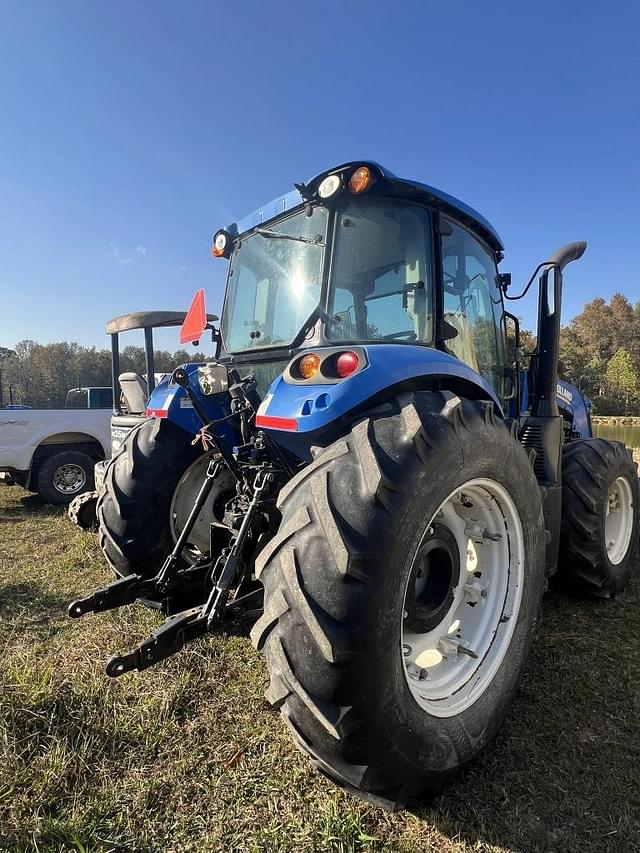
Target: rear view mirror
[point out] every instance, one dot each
(342, 326)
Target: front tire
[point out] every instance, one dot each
(599, 534)
(336, 577)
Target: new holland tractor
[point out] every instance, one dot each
(369, 465)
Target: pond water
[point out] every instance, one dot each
(630, 435)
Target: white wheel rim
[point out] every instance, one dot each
(450, 665)
(68, 479)
(184, 497)
(618, 522)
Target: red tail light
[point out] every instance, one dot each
(347, 363)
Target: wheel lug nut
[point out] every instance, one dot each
(418, 673)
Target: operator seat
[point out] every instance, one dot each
(134, 391)
(462, 346)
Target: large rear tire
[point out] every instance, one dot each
(352, 580)
(139, 485)
(599, 534)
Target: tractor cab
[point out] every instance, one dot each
(359, 256)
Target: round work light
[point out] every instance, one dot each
(329, 186)
(221, 245)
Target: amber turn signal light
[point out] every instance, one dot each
(361, 180)
(309, 365)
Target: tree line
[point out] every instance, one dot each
(39, 375)
(599, 353)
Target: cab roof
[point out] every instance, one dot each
(393, 185)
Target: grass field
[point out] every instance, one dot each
(188, 756)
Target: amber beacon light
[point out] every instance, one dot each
(361, 180)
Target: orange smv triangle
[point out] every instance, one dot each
(196, 320)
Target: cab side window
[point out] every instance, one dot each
(382, 274)
(473, 304)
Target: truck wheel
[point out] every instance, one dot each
(63, 475)
(599, 533)
(145, 497)
(82, 511)
(402, 592)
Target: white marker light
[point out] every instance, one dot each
(329, 186)
(219, 248)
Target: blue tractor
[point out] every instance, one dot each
(377, 470)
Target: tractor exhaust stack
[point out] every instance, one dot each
(545, 377)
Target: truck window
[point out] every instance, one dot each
(100, 398)
(76, 399)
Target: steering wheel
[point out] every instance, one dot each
(410, 336)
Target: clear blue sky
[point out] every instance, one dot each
(130, 131)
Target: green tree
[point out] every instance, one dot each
(40, 375)
(528, 341)
(5, 354)
(132, 359)
(592, 339)
(622, 379)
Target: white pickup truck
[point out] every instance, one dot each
(53, 451)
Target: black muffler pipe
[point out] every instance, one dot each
(544, 403)
(543, 429)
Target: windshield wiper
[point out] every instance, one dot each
(278, 235)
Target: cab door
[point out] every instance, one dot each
(472, 304)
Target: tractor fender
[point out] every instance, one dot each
(297, 413)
